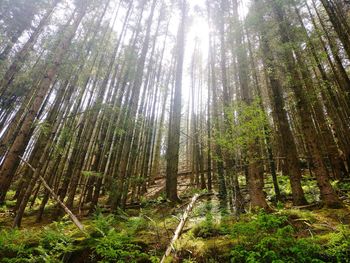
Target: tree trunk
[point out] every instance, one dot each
(11, 160)
(172, 154)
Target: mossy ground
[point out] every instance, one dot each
(212, 234)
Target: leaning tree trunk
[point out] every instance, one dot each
(22, 55)
(11, 160)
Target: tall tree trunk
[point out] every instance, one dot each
(339, 24)
(24, 52)
(289, 147)
(172, 154)
(328, 195)
(255, 172)
(11, 160)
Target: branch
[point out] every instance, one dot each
(56, 198)
(180, 227)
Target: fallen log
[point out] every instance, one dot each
(179, 227)
(309, 206)
(56, 198)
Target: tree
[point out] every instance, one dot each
(172, 154)
(11, 160)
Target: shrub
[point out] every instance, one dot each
(118, 247)
(338, 247)
(268, 238)
(206, 230)
(13, 247)
(54, 244)
(136, 224)
(102, 224)
(109, 245)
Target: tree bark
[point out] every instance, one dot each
(11, 160)
(172, 154)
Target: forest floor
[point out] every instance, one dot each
(211, 234)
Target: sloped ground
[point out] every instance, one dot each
(156, 189)
(212, 234)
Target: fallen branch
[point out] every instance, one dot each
(180, 227)
(56, 198)
(309, 206)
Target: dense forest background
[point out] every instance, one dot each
(117, 114)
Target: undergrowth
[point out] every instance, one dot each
(50, 245)
(288, 235)
(110, 239)
(272, 238)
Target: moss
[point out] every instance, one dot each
(204, 250)
(206, 230)
(298, 214)
(208, 236)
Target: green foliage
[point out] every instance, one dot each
(280, 246)
(268, 238)
(13, 247)
(339, 185)
(311, 190)
(246, 122)
(261, 221)
(45, 128)
(161, 198)
(343, 187)
(189, 261)
(192, 191)
(102, 225)
(113, 240)
(54, 244)
(149, 203)
(308, 183)
(207, 228)
(119, 238)
(338, 247)
(118, 247)
(136, 224)
(51, 245)
(279, 205)
(65, 135)
(91, 174)
(9, 203)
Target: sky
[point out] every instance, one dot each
(198, 29)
